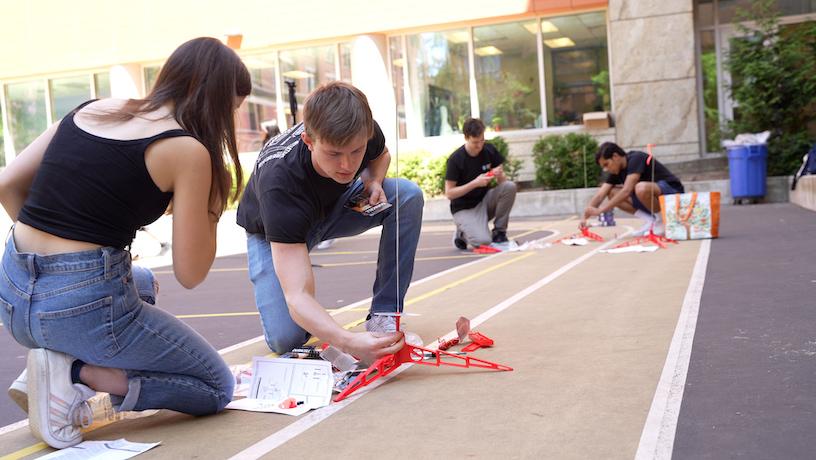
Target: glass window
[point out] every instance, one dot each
(711, 112)
(2, 139)
(150, 75)
(506, 65)
(398, 80)
(102, 84)
(731, 10)
(27, 117)
(259, 112)
(576, 67)
(302, 71)
(438, 78)
(67, 93)
(345, 62)
(704, 13)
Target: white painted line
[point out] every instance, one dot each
(657, 438)
(13, 427)
(280, 437)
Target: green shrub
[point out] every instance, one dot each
(774, 82)
(511, 164)
(566, 161)
(423, 168)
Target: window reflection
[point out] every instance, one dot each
(398, 81)
(506, 63)
(303, 70)
(27, 116)
(576, 67)
(345, 62)
(711, 112)
(2, 139)
(438, 78)
(259, 111)
(67, 93)
(102, 84)
(151, 73)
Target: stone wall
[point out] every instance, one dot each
(653, 75)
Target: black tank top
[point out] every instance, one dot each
(94, 189)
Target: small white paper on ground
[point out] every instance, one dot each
(633, 248)
(575, 241)
(267, 405)
(275, 379)
(532, 245)
(102, 450)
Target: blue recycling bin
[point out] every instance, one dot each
(748, 167)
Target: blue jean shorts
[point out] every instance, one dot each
(665, 189)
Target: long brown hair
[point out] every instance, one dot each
(201, 80)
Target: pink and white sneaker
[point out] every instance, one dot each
(58, 409)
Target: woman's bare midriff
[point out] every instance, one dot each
(30, 240)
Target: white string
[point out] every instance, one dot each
(651, 199)
(397, 204)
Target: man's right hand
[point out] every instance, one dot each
(367, 347)
(482, 180)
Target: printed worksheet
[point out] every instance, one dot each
(101, 450)
(307, 380)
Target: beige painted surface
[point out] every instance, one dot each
(588, 350)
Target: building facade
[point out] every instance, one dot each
(528, 68)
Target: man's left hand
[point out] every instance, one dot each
(376, 194)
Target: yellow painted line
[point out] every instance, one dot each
(467, 278)
(25, 452)
(418, 259)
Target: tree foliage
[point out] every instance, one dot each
(773, 72)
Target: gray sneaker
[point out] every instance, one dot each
(58, 408)
(381, 323)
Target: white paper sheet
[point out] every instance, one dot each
(102, 450)
(633, 248)
(575, 241)
(275, 379)
(267, 405)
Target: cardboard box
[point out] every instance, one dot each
(597, 120)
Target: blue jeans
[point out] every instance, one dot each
(280, 331)
(87, 304)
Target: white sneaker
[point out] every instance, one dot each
(658, 228)
(18, 391)
(58, 408)
(325, 244)
(381, 324)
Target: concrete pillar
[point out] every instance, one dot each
(653, 74)
(369, 73)
(127, 81)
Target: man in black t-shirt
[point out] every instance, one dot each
(629, 184)
(478, 189)
(312, 183)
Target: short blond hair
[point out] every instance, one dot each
(337, 113)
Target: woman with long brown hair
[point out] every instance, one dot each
(77, 195)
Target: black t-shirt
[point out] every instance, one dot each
(285, 197)
(636, 163)
(463, 168)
